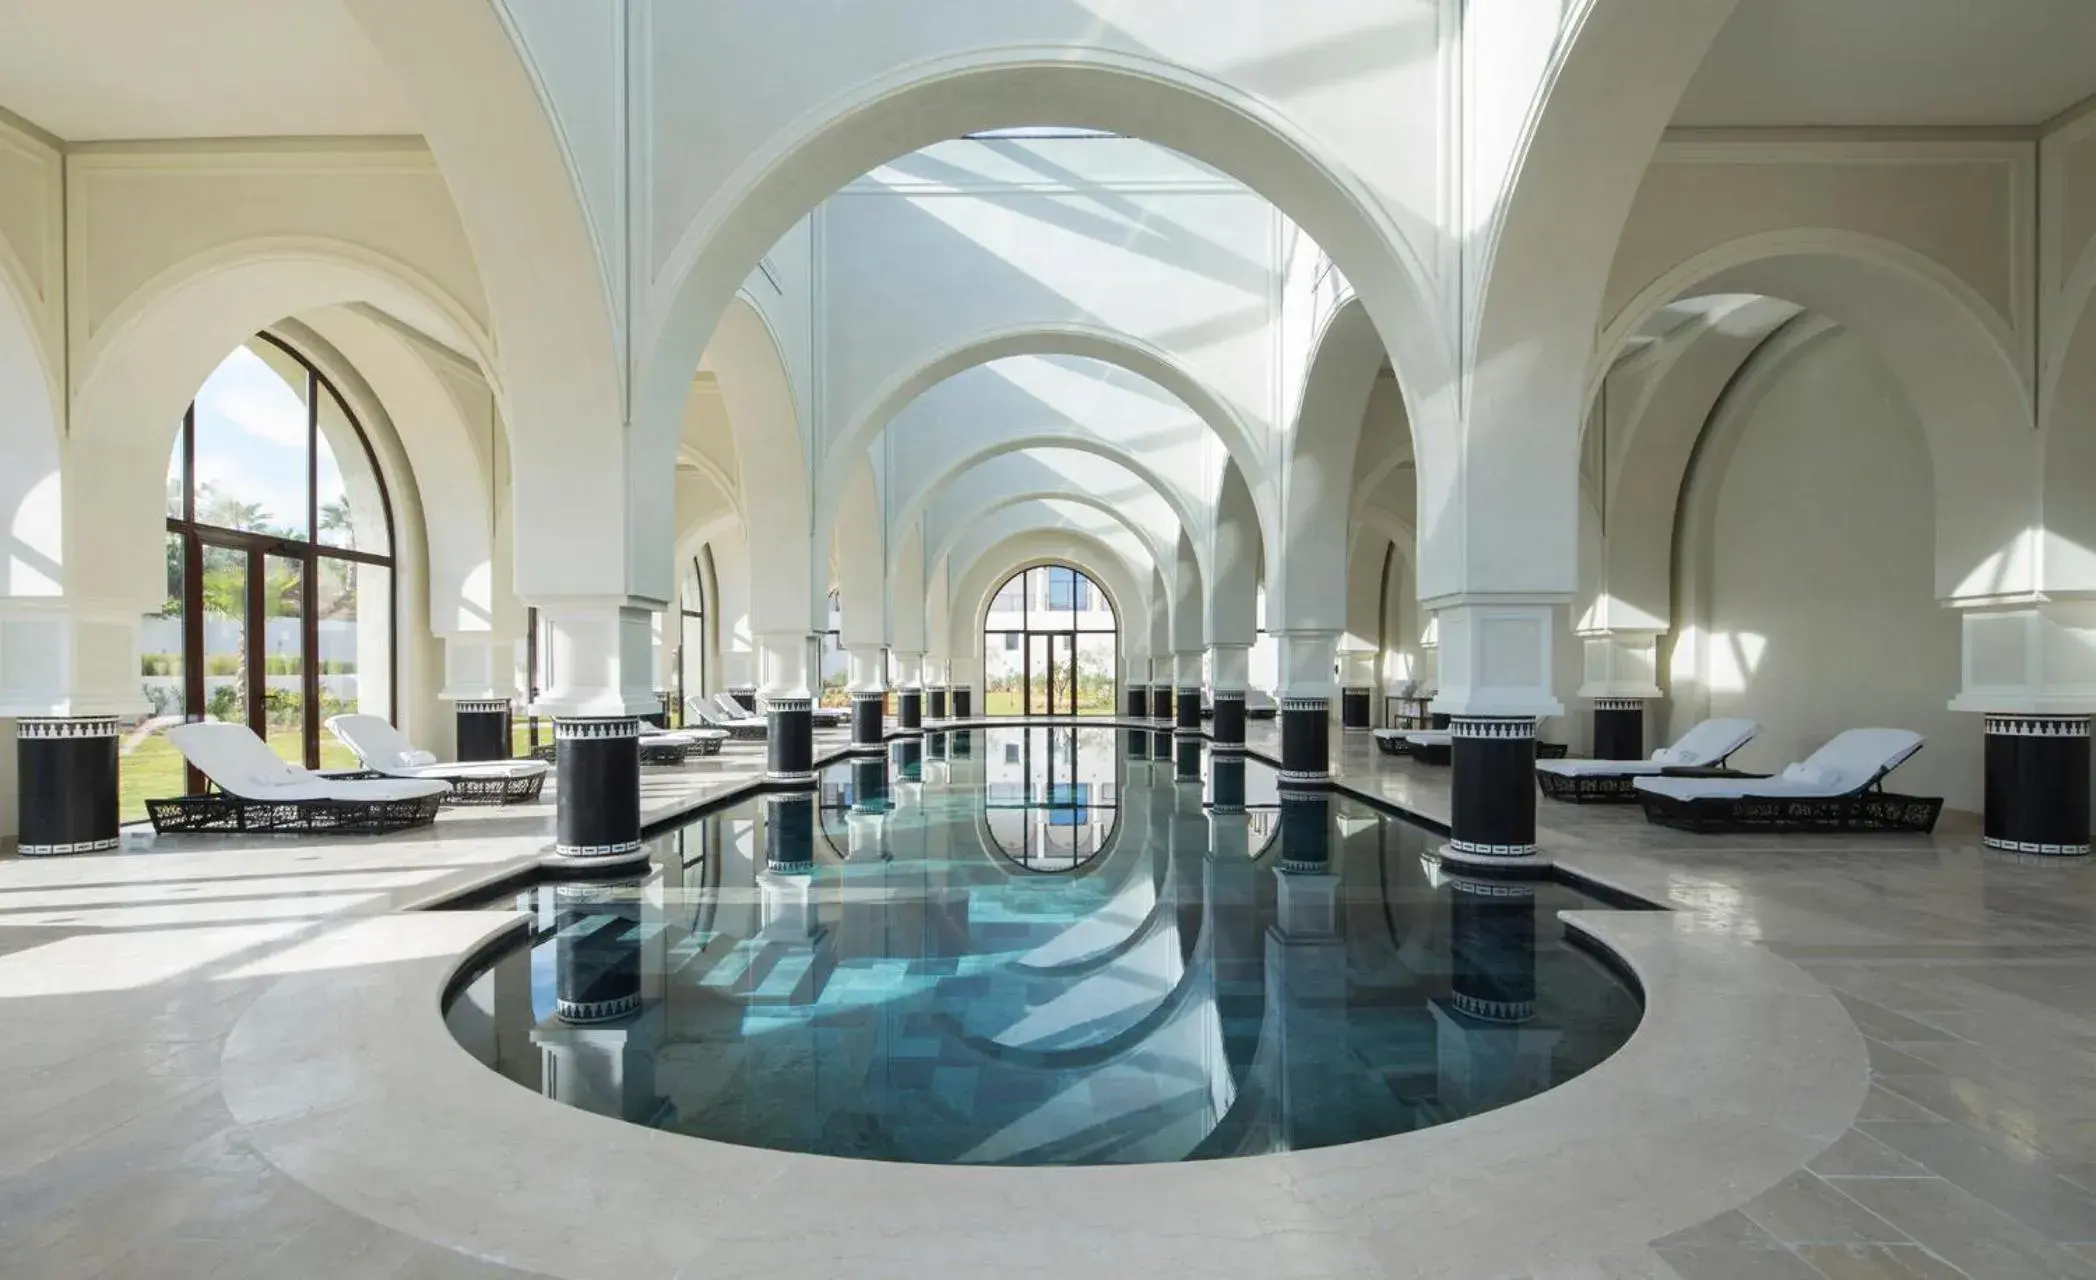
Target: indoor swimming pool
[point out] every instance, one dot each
(1044, 945)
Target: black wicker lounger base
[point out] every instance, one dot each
(495, 790)
(220, 812)
(651, 752)
(1868, 810)
(1393, 745)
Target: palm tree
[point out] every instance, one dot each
(335, 518)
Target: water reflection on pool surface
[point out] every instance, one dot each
(1045, 945)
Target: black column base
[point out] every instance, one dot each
(869, 730)
(1187, 723)
(1354, 708)
(1619, 728)
(937, 699)
(1228, 727)
(483, 730)
(963, 702)
(1492, 799)
(598, 768)
(909, 711)
(789, 743)
(1161, 702)
(1306, 742)
(66, 774)
(1139, 702)
(2037, 791)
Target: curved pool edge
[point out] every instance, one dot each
(346, 1078)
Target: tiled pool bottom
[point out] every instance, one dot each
(1044, 946)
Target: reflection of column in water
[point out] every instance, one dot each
(868, 819)
(1189, 760)
(935, 745)
(1161, 745)
(1313, 1083)
(597, 951)
(789, 832)
(909, 759)
(598, 1051)
(1306, 829)
(1489, 1048)
(1136, 742)
(963, 742)
(1226, 785)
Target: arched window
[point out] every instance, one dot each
(280, 608)
(1049, 646)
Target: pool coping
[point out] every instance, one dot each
(345, 1077)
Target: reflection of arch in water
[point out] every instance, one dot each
(1071, 803)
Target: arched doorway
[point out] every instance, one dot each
(280, 608)
(1050, 645)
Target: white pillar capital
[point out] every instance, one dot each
(601, 656)
(1620, 663)
(2033, 657)
(909, 668)
(1495, 657)
(1230, 667)
(64, 658)
(1186, 668)
(1307, 661)
(869, 673)
(478, 667)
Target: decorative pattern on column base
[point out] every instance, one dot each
(1619, 728)
(1619, 704)
(869, 729)
(583, 1013)
(2037, 785)
(66, 773)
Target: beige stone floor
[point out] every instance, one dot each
(126, 977)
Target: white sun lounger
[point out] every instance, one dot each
(1707, 746)
(1835, 788)
(384, 749)
(745, 727)
(257, 791)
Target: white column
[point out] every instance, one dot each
(1231, 667)
(1495, 658)
(601, 657)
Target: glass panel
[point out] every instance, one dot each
(251, 447)
(284, 656)
(151, 768)
(1037, 681)
(1008, 607)
(225, 634)
(1003, 672)
(1064, 657)
(836, 671)
(1052, 592)
(356, 647)
(1095, 673)
(174, 477)
(1094, 611)
(350, 505)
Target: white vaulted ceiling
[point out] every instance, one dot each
(1895, 62)
(91, 70)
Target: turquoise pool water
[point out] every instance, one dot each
(1045, 945)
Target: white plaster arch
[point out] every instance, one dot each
(772, 476)
(1942, 343)
(1307, 574)
(2068, 397)
(32, 550)
(1555, 186)
(962, 528)
(159, 345)
(962, 93)
(859, 552)
(1144, 359)
(1232, 568)
(914, 506)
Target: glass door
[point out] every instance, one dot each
(1062, 674)
(216, 623)
(1040, 695)
(285, 672)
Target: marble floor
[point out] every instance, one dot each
(1863, 1057)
